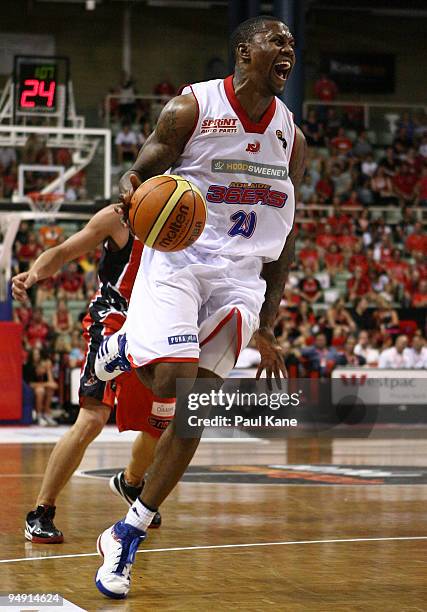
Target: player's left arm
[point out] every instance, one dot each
(275, 275)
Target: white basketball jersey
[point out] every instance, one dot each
(242, 169)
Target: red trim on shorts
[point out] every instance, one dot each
(248, 125)
(225, 320)
(239, 334)
(164, 400)
(165, 359)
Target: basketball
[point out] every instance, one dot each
(167, 213)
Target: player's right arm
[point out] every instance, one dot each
(104, 225)
(164, 146)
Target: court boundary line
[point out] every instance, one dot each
(226, 546)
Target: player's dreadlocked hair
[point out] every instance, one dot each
(247, 29)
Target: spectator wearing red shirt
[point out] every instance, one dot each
(358, 259)
(325, 238)
(334, 259)
(71, 283)
(62, 320)
(398, 269)
(310, 289)
(45, 290)
(420, 264)
(63, 157)
(165, 88)
(341, 142)
(417, 241)
(28, 252)
(419, 298)
(309, 255)
(324, 189)
(405, 185)
(359, 285)
(353, 202)
(325, 89)
(339, 221)
(38, 330)
(383, 251)
(346, 241)
(23, 315)
(422, 189)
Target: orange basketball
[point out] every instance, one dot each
(167, 213)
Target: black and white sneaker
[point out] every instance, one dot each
(120, 487)
(40, 528)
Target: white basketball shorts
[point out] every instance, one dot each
(188, 306)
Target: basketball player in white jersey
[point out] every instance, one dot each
(191, 312)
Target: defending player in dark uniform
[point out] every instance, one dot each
(106, 314)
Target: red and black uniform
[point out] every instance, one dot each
(106, 314)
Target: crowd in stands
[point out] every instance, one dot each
(357, 293)
(131, 117)
(52, 332)
(35, 152)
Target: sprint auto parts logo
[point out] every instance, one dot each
(219, 126)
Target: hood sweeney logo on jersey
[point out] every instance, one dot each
(219, 126)
(242, 166)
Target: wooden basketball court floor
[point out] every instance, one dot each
(259, 525)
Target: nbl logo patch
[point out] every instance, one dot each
(282, 139)
(182, 339)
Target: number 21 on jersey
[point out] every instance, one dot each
(243, 224)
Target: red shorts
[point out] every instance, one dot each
(133, 401)
(134, 407)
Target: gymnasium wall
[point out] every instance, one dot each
(329, 31)
(178, 43)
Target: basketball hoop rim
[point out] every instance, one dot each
(45, 202)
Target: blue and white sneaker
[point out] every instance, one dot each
(111, 358)
(118, 545)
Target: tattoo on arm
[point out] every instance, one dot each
(166, 143)
(167, 128)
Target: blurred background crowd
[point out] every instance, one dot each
(357, 293)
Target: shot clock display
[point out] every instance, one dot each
(37, 82)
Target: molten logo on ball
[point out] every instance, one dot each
(177, 226)
(167, 213)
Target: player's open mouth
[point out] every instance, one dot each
(282, 69)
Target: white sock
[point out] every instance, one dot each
(139, 516)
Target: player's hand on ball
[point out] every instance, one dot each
(122, 209)
(271, 355)
(20, 283)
